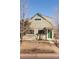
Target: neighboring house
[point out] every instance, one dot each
(41, 28)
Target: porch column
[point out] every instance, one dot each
(52, 34)
(47, 34)
(35, 31)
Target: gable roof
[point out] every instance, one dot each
(44, 17)
(38, 15)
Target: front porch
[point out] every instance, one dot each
(44, 34)
(39, 34)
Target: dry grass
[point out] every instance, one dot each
(38, 47)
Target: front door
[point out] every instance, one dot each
(49, 34)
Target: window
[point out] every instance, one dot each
(37, 19)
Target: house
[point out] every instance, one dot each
(41, 28)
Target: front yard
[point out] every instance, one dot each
(28, 46)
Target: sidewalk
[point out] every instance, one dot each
(39, 56)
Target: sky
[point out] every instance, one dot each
(45, 7)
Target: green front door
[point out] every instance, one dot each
(49, 34)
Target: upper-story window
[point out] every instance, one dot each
(37, 19)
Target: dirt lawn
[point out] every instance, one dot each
(38, 47)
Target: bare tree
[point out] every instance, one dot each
(23, 11)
